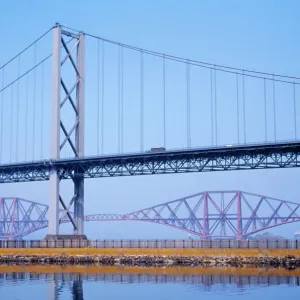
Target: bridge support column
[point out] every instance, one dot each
(55, 133)
(79, 206)
(64, 134)
(79, 140)
(54, 203)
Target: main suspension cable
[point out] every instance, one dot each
(26, 48)
(219, 67)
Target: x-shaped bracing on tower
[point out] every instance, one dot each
(68, 128)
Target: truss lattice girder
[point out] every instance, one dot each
(280, 155)
(18, 216)
(205, 214)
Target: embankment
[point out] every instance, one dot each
(285, 258)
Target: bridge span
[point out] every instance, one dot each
(211, 214)
(207, 159)
(220, 118)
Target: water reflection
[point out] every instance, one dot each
(77, 290)
(55, 288)
(73, 282)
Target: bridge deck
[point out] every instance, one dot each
(226, 158)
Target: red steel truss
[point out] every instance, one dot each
(218, 214)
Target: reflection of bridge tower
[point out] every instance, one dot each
(54, 288)
(77, 290)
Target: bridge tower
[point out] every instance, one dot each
(62, 93)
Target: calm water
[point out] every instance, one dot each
(132, 283)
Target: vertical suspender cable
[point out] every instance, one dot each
(102, 102)
(164, 98)
(98, 95)
(11, 123)
(216, 116)
(141, 101)
(237, 108)
(18, 103)
(26, 117)
(295, 111)
(42, 110)
(1, 129)
(121, 99)
(34, 101)
(211, 107)
(244, 109)
(274, 109)
(119, 95)
(265, 102)
(188, 104)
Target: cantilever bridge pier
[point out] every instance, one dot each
(61, 100)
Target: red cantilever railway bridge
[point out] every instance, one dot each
(218, 214)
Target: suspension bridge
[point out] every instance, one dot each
(92, 108)
(219, 214)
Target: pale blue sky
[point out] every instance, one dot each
(259, 35)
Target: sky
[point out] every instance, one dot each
(252, 35)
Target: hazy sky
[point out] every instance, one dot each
(258, 35)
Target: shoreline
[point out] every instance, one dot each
(154, 257)
(287, 262)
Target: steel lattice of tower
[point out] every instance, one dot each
(75, 135)
(217, 214)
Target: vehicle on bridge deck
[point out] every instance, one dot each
(154, 150)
